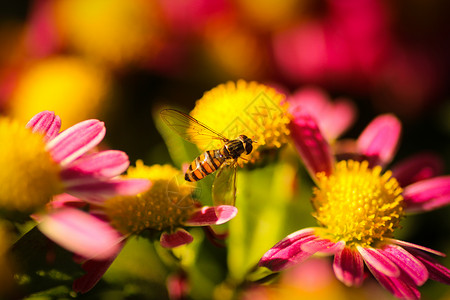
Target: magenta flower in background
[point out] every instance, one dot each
(354, 46)
(358, 209)
(344, 48)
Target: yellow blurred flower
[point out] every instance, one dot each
(235, 50)
(70, 86)
(271, 14)
(111, 31)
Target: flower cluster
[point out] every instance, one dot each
(79, 198)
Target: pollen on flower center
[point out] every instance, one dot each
(165, 206)
(358, 205)
(248, 108)
(28, 175)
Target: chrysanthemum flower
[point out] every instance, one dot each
(38, 163)
(358, 208)
(165, 209)
(249, 108)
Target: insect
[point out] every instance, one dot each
(223, 160)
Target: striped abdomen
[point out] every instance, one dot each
(205, 164)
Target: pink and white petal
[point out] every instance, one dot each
(323, 246)
(45, 123)
(81, 233)
(378, 261)
(436, 271)
(379, 141)
(310, 100)
(427, 194)
(105, 164)
(178, 238)
(418, 167)
(314, 150)
(348, 266)
(76, 141)
(288, 251)
(407, 262)
(399, 287)
(65, 200)
(290, 239)
(339, 116)
(95, 190)
(95, 269)
(414, 246)
(212, 215)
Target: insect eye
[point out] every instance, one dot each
(248, 147)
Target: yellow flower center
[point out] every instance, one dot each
(248, 108)
(166, 205)
(28, 175)
(358, 205)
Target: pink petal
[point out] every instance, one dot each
(427, 194)
(418, 167)
(414, 246)
(340, 116)
(323, 246)
(178, 286)
(407, 262)
(75, 141)
(379, 141)
(94, 190)
(101, 164)
(311, 100)
(348, 266)
(333, 117)
(311, 145)
(65, 200)
(81, 233)
(45, 123)
(94, 272)
(378, 261)
(212, 215)
(436, 271)
(288, 251)
(399, 287)
(178, 238)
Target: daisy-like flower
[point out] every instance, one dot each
(249, 108)
(38, 163)
(359, 207)
(165, 209)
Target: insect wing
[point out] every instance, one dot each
(188, 127)
(224, 185)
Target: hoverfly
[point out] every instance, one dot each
(223, 160)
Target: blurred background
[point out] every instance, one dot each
(122, 60)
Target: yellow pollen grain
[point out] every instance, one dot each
(165, 206)
(358, 204)
(28, 175)
(248, 108)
